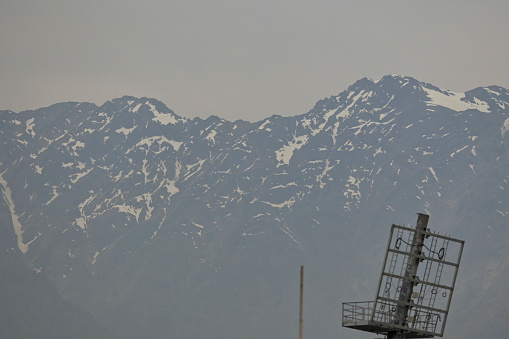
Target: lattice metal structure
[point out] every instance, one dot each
(415, 287)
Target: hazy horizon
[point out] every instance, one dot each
(240, 59)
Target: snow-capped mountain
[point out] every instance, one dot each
(162, 226)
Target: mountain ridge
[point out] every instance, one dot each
(108, 196)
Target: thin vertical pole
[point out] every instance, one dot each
(301, 318)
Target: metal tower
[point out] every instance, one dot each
(412, 300)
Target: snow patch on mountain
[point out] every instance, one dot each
(159, 140)
(434, 173)
(284, 186)
(162, 118)
(128, 209)
(55, 195)
(320, 177)
(309, 123)
(38, 169)
(454, 101)
(458, 150)
(125, 131)
(82, 220)
(211, 136)
(346, 112)
(30, 127)
(77, 176)
(135, 109)
(193, 168)
(285, 153)
(287, 203)
(264, 124)
(6, 192)
(505, 127)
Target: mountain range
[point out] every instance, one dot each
(126, 220)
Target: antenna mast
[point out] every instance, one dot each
(412, 300)
(407, 286)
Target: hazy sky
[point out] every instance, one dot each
(242, 59)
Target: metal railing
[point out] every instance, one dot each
(357, 313)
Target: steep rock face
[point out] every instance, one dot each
(158, 225)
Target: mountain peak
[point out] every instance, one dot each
(397, 80)
(161, 113)
(387, 82)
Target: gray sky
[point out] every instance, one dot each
(242, 59)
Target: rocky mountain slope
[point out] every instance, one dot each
(162, 226)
